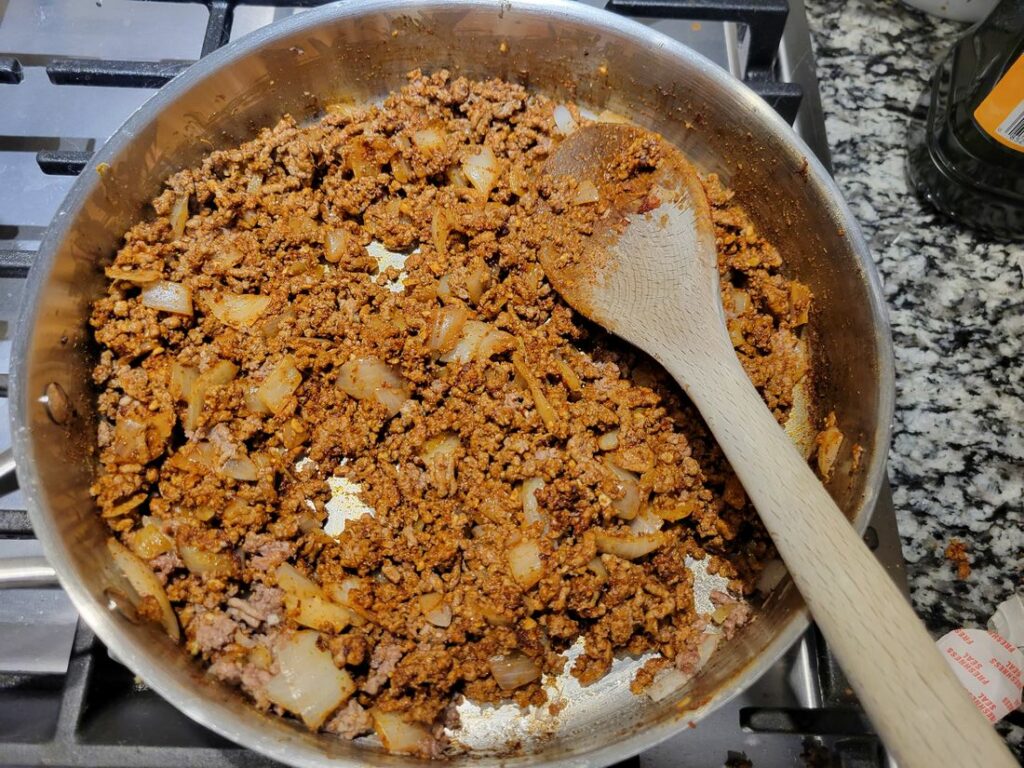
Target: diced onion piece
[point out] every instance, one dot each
(481, 168)
(440, 448)
(254, 184)
(457, 178)
(478, 281)
(667, 682)
(183, 378)
(401, 170)
(398, 736)
(586, 193)
(179, 215)
(531, 510)
(569, 376)
(368, 378)
(480, 341)
(361, 160)
(564, 121)
(253, 402)
(517, 180)
(137, 276)
(598, 568)
(628, 503)
(261, 657)
(308, 603)
(629, 547)
(799, 302)
(279, 385)
(435, 610)
(203, 454)
(293, 433)
(773, 573)
(149, 542)
(607, 116)
(320, 613)
(493, 616)
(166, 296)
(202, 563)
(307, 523)
(444, 287)
(240, 468)
(119, 510)
(645, 522)
(341, 594)
(721, 613)
(228, 258)
(272, 326)
(513, 670)
(544, 410)
(525, 563)
(145, 583)
(440, 226)
(129, 443)
(609, 441)
(708, 646)
(336, 244)
(430, 600)
(349, 112)
(428, 139)
(446, 328)
(677, 512)
(223, 372)
(238, 310)
(307, 683)
(291, 581)
(739, 301)
(829, 441)
(736, 334)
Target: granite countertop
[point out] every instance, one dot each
(956, 304)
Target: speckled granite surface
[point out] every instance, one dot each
(956, 304)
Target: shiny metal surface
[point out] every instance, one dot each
(361, 51)
(37, 621)
(26, 573)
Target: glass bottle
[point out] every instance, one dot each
(966, 157)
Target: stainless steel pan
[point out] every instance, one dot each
(362, 50)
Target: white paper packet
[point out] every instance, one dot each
(988, 662)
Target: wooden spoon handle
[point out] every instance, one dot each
(921, 711)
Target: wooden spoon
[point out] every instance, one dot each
(649, 274)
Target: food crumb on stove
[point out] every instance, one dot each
(956, 553)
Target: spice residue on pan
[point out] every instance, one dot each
(355, 307)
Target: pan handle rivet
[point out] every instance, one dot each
(58, 407)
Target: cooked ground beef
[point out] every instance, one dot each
(532, 480)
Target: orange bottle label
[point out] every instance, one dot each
(1001, 114)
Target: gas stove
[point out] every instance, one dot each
(70, 72)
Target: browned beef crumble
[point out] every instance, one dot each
(202, 472)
